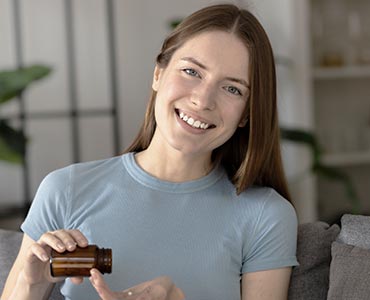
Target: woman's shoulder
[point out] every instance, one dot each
(267, 202)
(84, 170)
(261, 194)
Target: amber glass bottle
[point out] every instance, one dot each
(80, 261)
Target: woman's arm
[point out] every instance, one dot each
(30, 276)
(266, 285)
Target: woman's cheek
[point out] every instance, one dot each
(180, 89)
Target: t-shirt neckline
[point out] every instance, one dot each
(148, 180)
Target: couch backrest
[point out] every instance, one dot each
(310, 280)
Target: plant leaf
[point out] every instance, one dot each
(12, 143)
(303, 137)
(309, 139)
(174, 22)
(7, 154)
(13, 82)
(338, 175)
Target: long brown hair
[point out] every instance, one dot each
(252, 155)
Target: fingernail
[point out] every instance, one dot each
(44, 257)
(82, 241)
(60, 246)
(71, 246)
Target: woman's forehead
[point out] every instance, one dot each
(216, 49)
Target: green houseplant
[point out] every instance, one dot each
(318, 167)
(12, 84)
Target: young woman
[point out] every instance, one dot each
(198, 205)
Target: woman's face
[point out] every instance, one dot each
(202, 93)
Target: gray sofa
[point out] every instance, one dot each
(334, 262)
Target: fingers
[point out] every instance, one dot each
(105, 293)
(62, 240)
(36, 253)
(100, 286)
(160, 288)
(36, 268)
(59, 240)
(164, 288)
(77, 280)
(79, 238)
(177, 293)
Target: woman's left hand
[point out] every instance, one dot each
(160, 288)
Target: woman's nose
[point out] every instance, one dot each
(204, 97)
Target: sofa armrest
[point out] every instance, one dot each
(10, 242)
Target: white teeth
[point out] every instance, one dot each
(192, 122)
(196, 124)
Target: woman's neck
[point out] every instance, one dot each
(173, 165)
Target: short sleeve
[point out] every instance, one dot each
(49, 207)
(274, 240)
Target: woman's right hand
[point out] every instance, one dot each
(37, 267)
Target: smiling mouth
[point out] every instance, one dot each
(194, 122)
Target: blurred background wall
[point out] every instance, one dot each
(102, 52)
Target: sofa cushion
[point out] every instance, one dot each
(355, 230)
(349, 273)
(310, 280)
(10, 242)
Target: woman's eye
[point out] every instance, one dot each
(233, 90)
(191, 72)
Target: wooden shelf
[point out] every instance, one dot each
(347, 159)
(345, 72)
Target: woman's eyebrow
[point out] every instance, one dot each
(199, 64)
(194, 61)
(238, 80)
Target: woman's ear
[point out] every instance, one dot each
(244, 121)
(156, 77)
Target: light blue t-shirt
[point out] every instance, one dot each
(200, 233)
